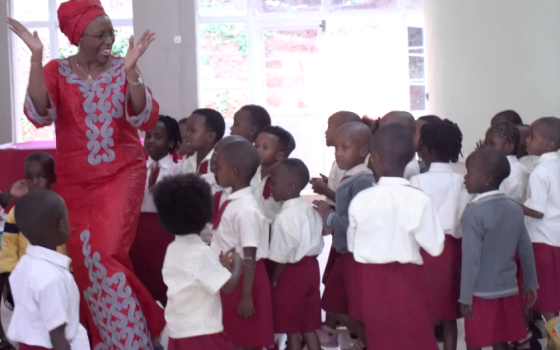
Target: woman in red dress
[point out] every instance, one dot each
(97, 103)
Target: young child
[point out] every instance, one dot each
(505, 138)
(273, 145)
(161, 141)
(502, 117)
(249, 121)
(239, 224)
(295, 244)
(420, 122)
(185, 150)
(192, 271)
(439, 146)
(205, 127)
(493, 232)
(530, 162)
(389, 223)
(543, 212)
(47, 301)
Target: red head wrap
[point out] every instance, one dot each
(75, 15)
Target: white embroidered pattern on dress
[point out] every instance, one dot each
(108, 299)
(35, 116)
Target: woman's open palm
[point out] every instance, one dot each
(30, 39)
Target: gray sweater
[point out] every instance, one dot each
(493, 231)
(338, 219)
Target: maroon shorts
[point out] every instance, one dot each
(547, 262)
(333, 256)
(218, 341)
(339, 296)
(31, 347)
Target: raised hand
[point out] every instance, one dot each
(19, 189)
(136, 50)
(30, 39)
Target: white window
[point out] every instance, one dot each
(41, 16)
(306, 59)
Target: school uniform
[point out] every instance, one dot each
(449, 198)
(297, 241)
(493, 234)
(544, 197)
(530, 162)
(335, 176)
(515, 185)
(189, 165)
(261, 190)
(412, 169)
(239, 223)
(161, 169)
(210, 178)
(389, 223)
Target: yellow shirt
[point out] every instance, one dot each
(14, 245)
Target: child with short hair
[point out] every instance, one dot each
(273, 145)
(542, 211)
(530, 162)
(505, 138)
(249, 121)
(192, 271)
(295, 244)
(239, 224)
(47, 300)
(439, 146)
(493, 233)
(185, 150)
(205, 127)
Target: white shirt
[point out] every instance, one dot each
(296, 233)
(194, 276)
(515, 185)
(242, 225)
(269, 207)
(460, 168)
(486, 194)
(544, 197)
(412, 169)
(449, 196)
(530, 162)
(189, 166)
(206, 233)
(335, 177)
(210, 178)
(166, 168)
(390, 222)
(46, 297)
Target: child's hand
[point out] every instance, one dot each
(322, 208)
(466, 311)
(480, 145)
(19, 189)
(227, 259)
(327, 231)
(531, 296)
(245, 308)
(320, 185)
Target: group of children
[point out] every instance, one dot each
(417, 237)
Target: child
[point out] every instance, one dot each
(505, 138)
(192, 271)
(205, 127)
(543, 212)
(161, 141)
(439, 147)
(420, 122)
(239, 224)
(185, 150)
(249, 121)
(530, 162)
(493, 232)
(47, 301)
(273, 145)
(389, 223)
(295, 244)
(506, 116)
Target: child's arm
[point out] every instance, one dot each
(527, 260)
(471, 260)
(58, 338)
(9, 248)
(538, 188)
(429, 234)
(531, 213)
(246, 308)
(283, 245)
(277, 270)
(320, 186)
(231, 261)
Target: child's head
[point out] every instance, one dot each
(249, 121)
(274, 144)
(236, 164)
(524, 133)
(420, 122)
(164, 138)
(287, 179)
(205, 127)
(39, 171)
(506, 116)
(545, 136)
(504, 137)
(219, 145)
(399, 117)
(392, 149)
(441, 142)
(184, 149)
(184, 204)
(336, 121)
(486, 169)
(42, 217)
(352, 142)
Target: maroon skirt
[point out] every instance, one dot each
(296, 299)
(256, 331)
(218, 341)
(394, 307)
(339, 296)
(547, 263)
(31, 347)
(443, 281)
(333, 256)
(495, 321)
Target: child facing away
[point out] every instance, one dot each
(505, 138)
(493, 233)
(542, 211)
(389, 223)
(47, 300)
(439, 147)
(420, 122)
(160, 141)
(295, 244)
(205, 127)
(239, 224)
(192, 271)
(249, 121)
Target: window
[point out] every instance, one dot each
(306, 59)
(41, 16)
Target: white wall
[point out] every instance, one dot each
(486, 56)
